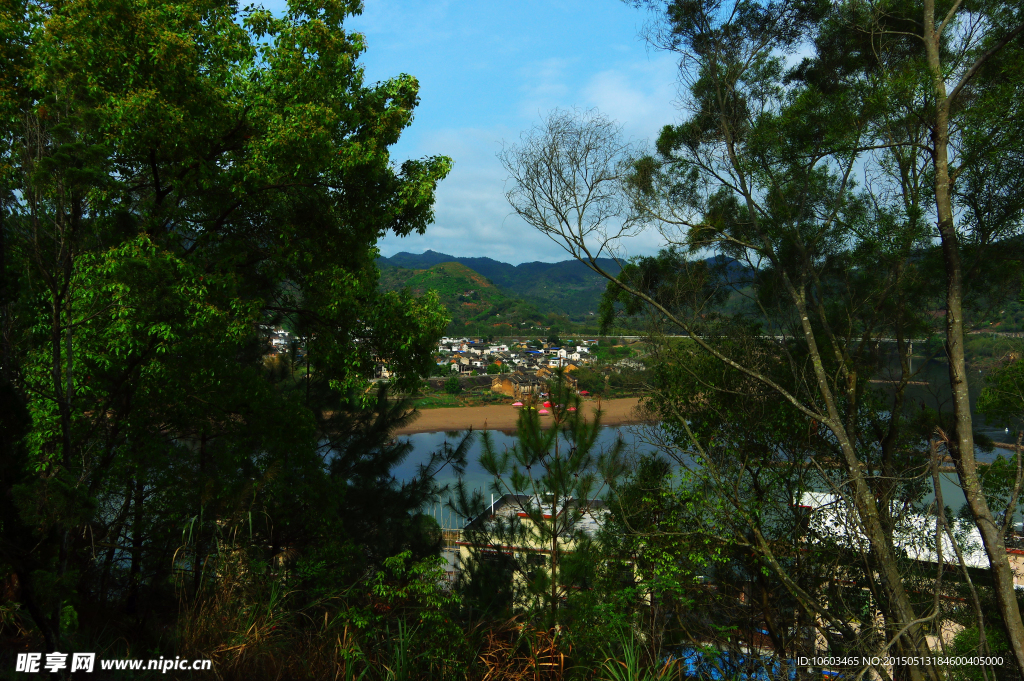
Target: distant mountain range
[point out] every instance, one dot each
(566, 287)
(470, 298)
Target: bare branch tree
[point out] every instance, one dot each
(567, 177)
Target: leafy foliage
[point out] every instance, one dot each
(473, 302)
(176, 179)
(452, 386)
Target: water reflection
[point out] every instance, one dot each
(931, 390)
(477, 478)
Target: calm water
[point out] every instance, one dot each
(476, 477)
(935, 396)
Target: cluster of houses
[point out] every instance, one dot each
(523, 368)
(279, 339)
(465, 355)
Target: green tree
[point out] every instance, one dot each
(668, 537)
(452, 386)
(176, 178)
(1002, 401)
(963, 94)
(552, 478)
(590, 380)
(761, 172)
(1002, 398)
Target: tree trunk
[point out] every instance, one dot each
(135, 571)
(962, 443)
(6, 356)
(910, 638)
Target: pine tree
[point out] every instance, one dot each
(549, 481)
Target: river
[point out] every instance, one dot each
(934, 395)
(477, 478)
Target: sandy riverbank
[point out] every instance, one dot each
(503, 417)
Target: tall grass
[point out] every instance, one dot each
(398, 625)
(248, 625)
(629, 664)
(265, 641)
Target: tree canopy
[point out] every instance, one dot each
(840, 160)
(177, 179)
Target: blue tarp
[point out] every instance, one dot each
(726, 666)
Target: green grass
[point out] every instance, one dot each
(435, 401)
(467, 398)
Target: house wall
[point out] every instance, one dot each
(503, 386)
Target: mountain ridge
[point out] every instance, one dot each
(568, 287)
(475, 304)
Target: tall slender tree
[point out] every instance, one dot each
(765, 170)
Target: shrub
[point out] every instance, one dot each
(452, 385)
(590, 380)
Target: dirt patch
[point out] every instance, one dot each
(504, 416)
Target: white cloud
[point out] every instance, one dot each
(489, 70)
(544, 86)
(639, 95)
(473, 217)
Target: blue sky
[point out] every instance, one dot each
(490, 69)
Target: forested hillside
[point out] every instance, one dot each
(470, 298)
(564, 288)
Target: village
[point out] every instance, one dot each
(520, 368)
(478, 371)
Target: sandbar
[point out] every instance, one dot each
(616, 412)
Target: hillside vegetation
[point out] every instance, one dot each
(561, 288)
(474, 303)
(453, 281)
